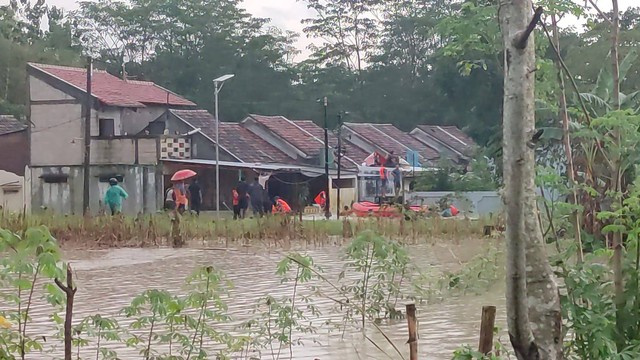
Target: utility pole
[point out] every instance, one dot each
(340, 115)
(327, 207)
(87, 138)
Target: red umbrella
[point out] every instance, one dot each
(183, 175)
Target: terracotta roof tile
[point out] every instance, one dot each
(294, 135)
(9, 124)
(112, 90)
(235, 138)
(352, 151)
(389, 138)
(449, 135)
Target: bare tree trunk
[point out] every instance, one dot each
(618, 280)
(533, 307)
(566, 136)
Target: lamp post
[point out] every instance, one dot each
(327, 207)
(218, 83)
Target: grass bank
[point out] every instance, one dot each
(155, 230)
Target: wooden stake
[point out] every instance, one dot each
(412, 322)
(486, 329)
(70, 291)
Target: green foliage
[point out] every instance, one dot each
(276, 319)
(378, 267)
(449, 177)
(32, 257)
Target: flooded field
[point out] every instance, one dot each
(107, 280)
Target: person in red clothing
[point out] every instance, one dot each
(321, 199)
(281, 206)
(236, 204)
(383, 181)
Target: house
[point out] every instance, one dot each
(448, 140)
(14, 145)
(387, 139)
(237, 146)
(121, 109)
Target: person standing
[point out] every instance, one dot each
(243, 202)
(180, 192)
(236, 204)
(114, 196)
(383, 182)
(256, 194)
(196, 196)
(397, 180)
(267, 203)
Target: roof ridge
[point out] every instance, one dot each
(65, 67)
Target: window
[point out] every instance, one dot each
(107, 128)
(54, 178)
(343, 183)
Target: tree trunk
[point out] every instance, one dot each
(533, 306)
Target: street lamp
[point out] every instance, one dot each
(218, 83)
(327, 207)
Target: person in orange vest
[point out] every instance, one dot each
(236, 204)
(321, 199)
(281, 206)
(181, 197)
(383, 181)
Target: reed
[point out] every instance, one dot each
(156, 229)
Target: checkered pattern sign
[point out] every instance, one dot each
(176, 148)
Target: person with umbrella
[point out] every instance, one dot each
(179, 188)
(114, 196)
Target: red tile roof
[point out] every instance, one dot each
(112, 90)
(234, 138)
(353, 152)
(9, 124)
(389, 138)
(291, 133)
(449, 135)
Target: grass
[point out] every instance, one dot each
(154, 230)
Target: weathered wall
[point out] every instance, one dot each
(135, 120)
(11, 192)
(140, 182)
(123, 151)
(14, 148)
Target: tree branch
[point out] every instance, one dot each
(522, 37)
(604, 16)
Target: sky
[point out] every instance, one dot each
(287, 14)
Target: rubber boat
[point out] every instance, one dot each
(366, 208)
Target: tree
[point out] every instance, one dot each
(532, 294)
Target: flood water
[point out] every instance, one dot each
(107, 280)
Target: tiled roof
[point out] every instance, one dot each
(449, 135)
(112, 90)
(352, 151)
(389, 138)
(234, 138)
(9, 124)
(291, 133)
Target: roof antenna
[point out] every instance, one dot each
(124, 71)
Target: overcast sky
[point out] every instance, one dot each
(287, 14)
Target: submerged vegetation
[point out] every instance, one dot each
(154, 230)
(193, 322)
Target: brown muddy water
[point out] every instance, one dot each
(107, 280)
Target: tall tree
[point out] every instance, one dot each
(533, 304)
